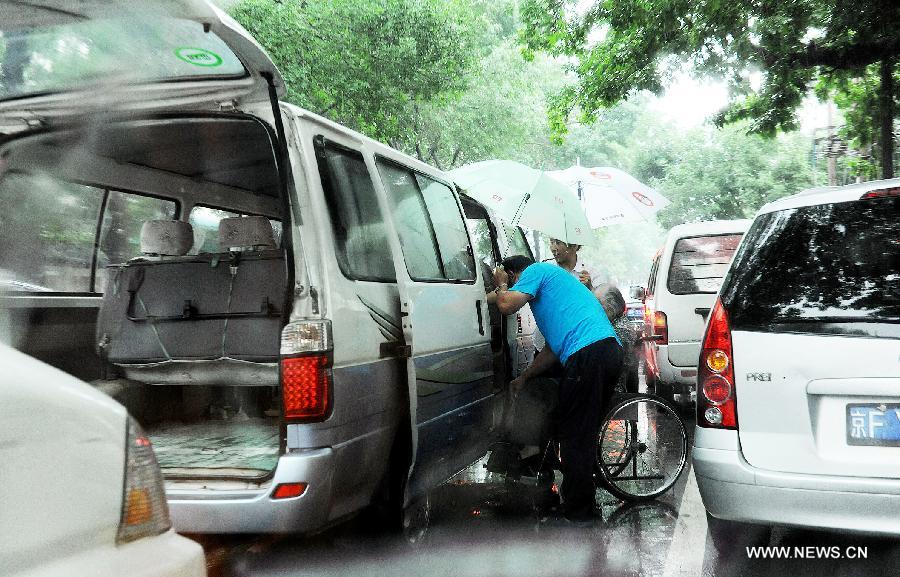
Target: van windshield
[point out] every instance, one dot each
(828, 268)
(110, 51)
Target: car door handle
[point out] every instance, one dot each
(703, 312)
(480, 317)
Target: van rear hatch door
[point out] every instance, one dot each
(814, 312)
(61, 58)
(696, 270)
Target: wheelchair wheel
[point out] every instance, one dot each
(642, 448)
(614, 446)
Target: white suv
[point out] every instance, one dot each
(798, 412)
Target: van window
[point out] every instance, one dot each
(483, 241)
(699, 263)
(430, 225)
(651, 282)
(127, 48)
(205, 223)
(516, 239)
(830, 268)
(361, 242)
(48, 230)
(449, 228)
(120, 232)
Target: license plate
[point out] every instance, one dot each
(874, 424)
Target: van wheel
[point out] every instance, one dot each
(416, 519)
(387, 511)
(733, 536)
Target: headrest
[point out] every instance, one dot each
(246, 232)
(166, 237)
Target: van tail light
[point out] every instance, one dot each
(716, 400)
(305, 370)
(144, 509)
(661, 327)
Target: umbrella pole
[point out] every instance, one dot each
(516, 217)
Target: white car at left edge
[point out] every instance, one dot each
(82, 493)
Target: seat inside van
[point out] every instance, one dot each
(170, 309)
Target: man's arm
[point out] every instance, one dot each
(542, 361)
(510, 301)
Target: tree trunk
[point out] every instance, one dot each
(886, 105)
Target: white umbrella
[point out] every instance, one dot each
(611, 196)
(524, 195)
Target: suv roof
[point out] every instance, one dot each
(829, 194)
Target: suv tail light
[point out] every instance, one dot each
(661, 327)
(306, 376)
(144, 509)
(716, 401)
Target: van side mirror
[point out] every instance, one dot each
(637, 292)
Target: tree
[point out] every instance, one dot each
(622, 46)
(724, 173)
(857, 95)
(502, 114)
(365, 63)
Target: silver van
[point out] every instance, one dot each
(294, 312)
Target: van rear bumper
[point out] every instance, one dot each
(734, 490)
(212, 510)
(680, 380)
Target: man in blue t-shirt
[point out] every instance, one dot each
(579, 334)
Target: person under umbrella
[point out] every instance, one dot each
(579, 334)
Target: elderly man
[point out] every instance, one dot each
(579, 334)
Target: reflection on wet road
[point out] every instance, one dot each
(480, 525)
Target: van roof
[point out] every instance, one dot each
(376, 146)
(829, 194)
(709, 227)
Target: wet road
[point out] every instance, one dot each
(482, 526)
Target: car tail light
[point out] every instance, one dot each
(144, 509)
(661, 327)
(716, 401)
(306, 377)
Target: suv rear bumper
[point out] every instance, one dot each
(733, 489)
(212, 510)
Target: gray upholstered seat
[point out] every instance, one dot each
(202, 319)
(166, 238)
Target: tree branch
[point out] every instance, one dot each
(437, 162)
(455, 157)
(847, 56)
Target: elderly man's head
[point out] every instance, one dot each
(612, 300)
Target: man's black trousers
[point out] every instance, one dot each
(590, 375)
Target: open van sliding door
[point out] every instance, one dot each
(445, 325)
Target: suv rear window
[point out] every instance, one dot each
(699, 263)
(830, 268)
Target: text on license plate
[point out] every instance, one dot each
(873, 424)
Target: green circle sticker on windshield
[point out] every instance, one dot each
(198, 57)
